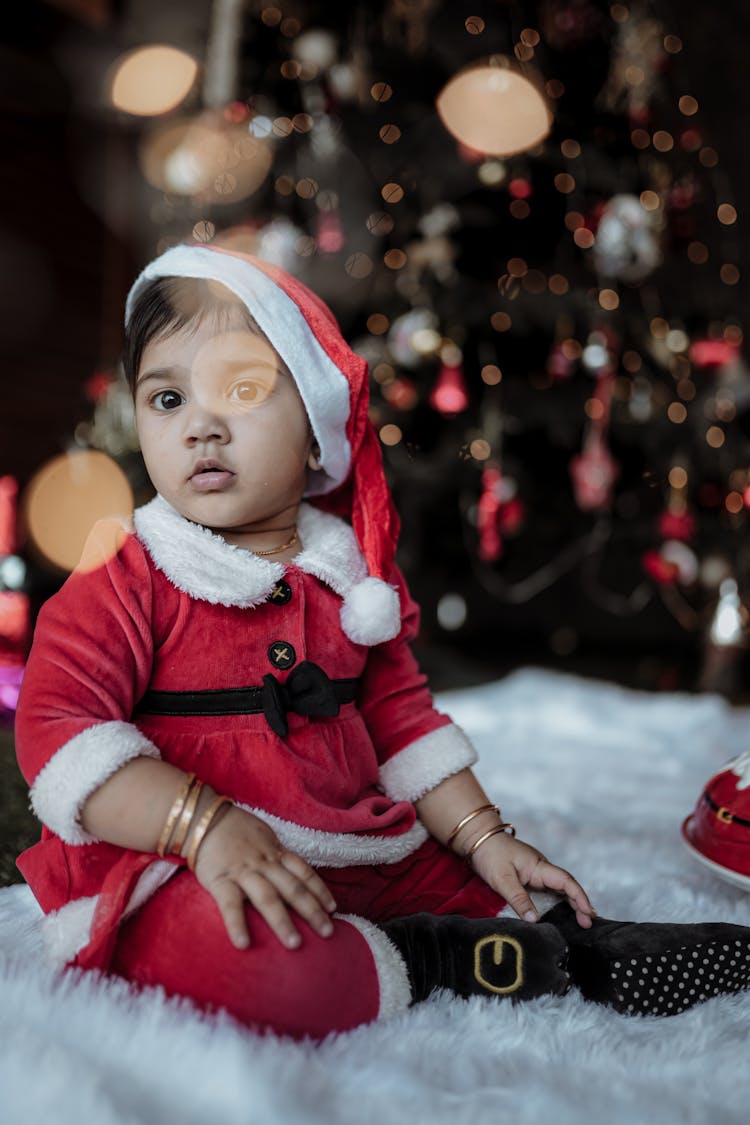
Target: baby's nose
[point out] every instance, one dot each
(205, 423)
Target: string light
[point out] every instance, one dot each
(570, 149)
(390, 434)
(729, 274)
(697, 253)
(565, 183)
(395, 259)
(377, 324)
(520, 209)
(358, 266)
(381, 92)
(501, 321)
(554, 88)
(491, 374)
(715, 437)
(688, 105)
(475, 25)
(558, 284)
(389, 134)
(726, 214)
(392, 193)
(676, 412)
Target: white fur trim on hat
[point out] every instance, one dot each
(323, 387)
(427, 761)
(78, 768)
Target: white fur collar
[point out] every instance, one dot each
(208, 568)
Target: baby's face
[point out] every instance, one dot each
(222, 427)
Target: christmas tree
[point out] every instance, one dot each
(518, 216)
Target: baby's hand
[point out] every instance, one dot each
(509, 866)
(241, 859)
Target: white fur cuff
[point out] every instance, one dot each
(393, 980)
(423, 764)
(78, 768)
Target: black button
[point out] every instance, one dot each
(281, 654)
(281, 593)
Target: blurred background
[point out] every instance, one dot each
(527, 216)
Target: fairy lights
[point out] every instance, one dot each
(390, 434)
(565, 183)
(501, 321)
(358, 266)
(688, 105)
(381, 92)
(729, 274)
(558, 284)
(672, 44)
(676, 413)
(608, 299)
(392, 192)
(475, 25)
(715, 437)
(726, 214)
(697, 253)
(395, 259)
(491, 374)
(389, 134)
(570, 149)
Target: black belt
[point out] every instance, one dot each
(308, 691)
(724, 814)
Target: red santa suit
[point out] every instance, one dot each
(169, 606)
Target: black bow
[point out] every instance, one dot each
(308, 691)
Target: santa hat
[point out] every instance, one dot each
(718, 831)
(333, 383)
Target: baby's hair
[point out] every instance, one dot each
(169, 304)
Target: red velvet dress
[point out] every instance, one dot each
(169, 606)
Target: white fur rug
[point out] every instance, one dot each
(598, 777)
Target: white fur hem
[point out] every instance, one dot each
(426, 762)
(65, 932)
(342, 849)
(393, 979)
(78, 768)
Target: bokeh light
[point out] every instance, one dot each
(66, 498)
(494, 110)
(152, 80)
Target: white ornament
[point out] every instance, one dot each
(627, 244)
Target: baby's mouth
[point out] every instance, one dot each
(209, 476)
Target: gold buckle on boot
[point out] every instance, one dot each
(498, 942)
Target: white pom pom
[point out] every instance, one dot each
(371, 612)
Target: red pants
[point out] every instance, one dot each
(178, 940)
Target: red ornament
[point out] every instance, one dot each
(559, 365)
(594, 472)
(401, 393)
(713, 353)
(330, 236)
(97, 386)
(449, 395)
(512, 516)
(677, 525)
(519, 188)
(660, 569)
(490, 540)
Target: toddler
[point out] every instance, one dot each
(247, 795)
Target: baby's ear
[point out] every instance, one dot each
(313, 457)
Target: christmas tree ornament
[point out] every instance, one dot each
(499, 513)
(494, 109)
(664, 571)
(594, 470)
(724, 641)
(560, 365)
(677, 521)
(676, 552)
(626, 245)
(413, 336)
(449, 394)
(316, 48)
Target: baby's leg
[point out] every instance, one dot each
(177, 940)
(652, 968)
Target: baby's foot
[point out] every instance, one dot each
(654, 968)
(480, 956)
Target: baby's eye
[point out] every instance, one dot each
(166, 400)
(250, 392)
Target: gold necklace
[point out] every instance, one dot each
(283, 547)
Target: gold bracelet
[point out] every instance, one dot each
(177, 807)
(492, 832)
(202, 827)
(186, 819)
(469, 816)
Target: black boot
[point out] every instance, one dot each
(480, 956)
(652, 968)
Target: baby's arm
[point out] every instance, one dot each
(508, 865)
(240, 858)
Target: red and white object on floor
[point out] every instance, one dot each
(718, 831)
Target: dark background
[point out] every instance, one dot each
(76, 228)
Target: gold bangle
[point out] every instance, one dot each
(492, 832)
(177, 807)
(469, 816)
(202, 827)
(186, 819)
